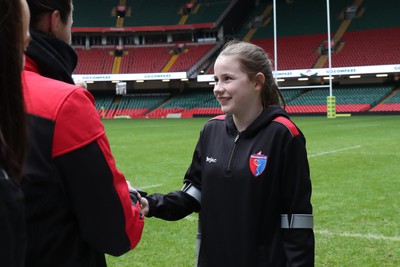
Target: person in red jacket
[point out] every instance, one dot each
(249, 177)
(77, 201)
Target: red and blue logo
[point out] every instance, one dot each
(258, 163)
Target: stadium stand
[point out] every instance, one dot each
(369, 47)
(294, 52)
(190, 56)
(299, 101)
(348, 99)
(391, 104)
(184, 36)
(145, 59)
(94, 61)
(141, 59)
(133, 106)
(207, 11)
(365, 34)
(94, 13)
(154, 13)
(188, 105)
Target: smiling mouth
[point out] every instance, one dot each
(223, 99)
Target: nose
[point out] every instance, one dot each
(218, 89)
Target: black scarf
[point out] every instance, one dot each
(54, 57)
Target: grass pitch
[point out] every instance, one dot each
(355, 171)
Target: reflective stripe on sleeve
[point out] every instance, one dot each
(304, 221)
(192, 191)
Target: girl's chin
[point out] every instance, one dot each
(225, 109)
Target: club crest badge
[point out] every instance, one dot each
(257, 163)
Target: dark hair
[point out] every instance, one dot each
(253, 59)
(38, 8)
(12, 116)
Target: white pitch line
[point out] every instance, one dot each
(365, 236)
(191, 218)
(151, 186)
(333, 151)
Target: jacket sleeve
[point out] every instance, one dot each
(172, 206)
(298, 241)
(177, 205)
(97, 191)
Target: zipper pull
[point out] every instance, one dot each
(228, 172)
(237, 137)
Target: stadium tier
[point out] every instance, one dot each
(352, 40)
(189, 57)
(94, 13)
(207, 11)
(153, 13)
(360, 99)
(144, 59)
(348, 99)
(368, 47)
(150, 36)
(295, 52)
(141, 59)
(303, 41)
(95, 61)
(391, 104)
(132, 106)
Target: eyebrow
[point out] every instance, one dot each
(227, 74)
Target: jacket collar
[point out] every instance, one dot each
(53, 57)
(266, 116)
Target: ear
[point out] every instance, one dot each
(55, 22)
(259, 81)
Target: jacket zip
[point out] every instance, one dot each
(231, 157)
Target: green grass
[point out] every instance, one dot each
(355, 170)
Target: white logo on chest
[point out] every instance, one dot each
(211, 160)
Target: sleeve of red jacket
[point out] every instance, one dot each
(98, 192)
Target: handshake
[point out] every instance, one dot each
(138, 197)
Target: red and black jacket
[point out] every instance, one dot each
(77, 202)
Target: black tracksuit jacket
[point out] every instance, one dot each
(241, 205)
(78, 205)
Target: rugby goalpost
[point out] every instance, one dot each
(331, 100)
